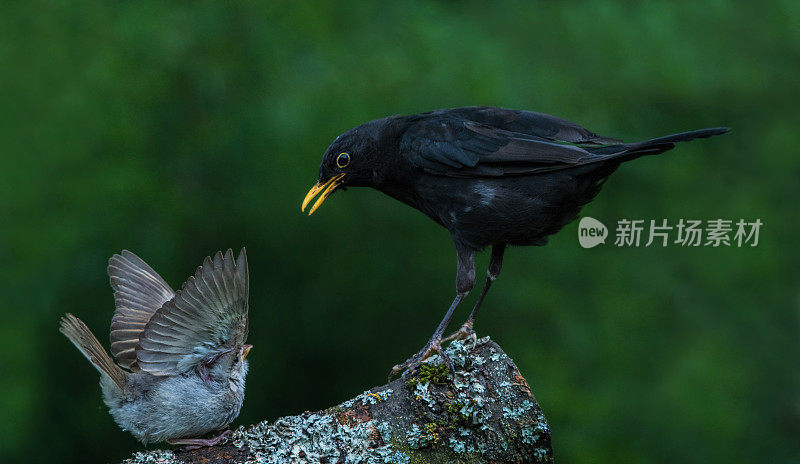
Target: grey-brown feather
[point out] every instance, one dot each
(83, 339)
(205, 318)
(138, 293)
(158, 408)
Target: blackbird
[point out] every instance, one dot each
(491, 176)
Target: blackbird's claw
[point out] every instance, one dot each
(195, 443)
(464, 332)
(434, 346)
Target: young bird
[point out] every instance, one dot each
(183, 353)
(493, 177)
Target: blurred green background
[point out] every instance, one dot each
(175, 130)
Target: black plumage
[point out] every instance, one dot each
(491, 176)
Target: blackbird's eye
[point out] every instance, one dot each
(343, 160)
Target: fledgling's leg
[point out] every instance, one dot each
(495, 264)
(195, 443)
(465, 280)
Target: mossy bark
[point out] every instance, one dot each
(486, 413)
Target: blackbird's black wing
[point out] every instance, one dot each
(529, 123)
(489, 142)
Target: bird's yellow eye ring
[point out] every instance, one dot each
(343, 160)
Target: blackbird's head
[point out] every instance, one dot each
(351, 160)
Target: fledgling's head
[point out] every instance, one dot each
(351, 160)
(231, 366)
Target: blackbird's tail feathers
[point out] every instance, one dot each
(685, 136)
(83, 339)
(659, 144)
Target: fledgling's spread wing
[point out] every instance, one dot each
(207, 317)
(467, 142)
(138, 293)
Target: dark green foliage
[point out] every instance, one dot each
(179, 129)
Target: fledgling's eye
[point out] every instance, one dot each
(343, 160)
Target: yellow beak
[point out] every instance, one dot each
(246, 349)
(326, 188)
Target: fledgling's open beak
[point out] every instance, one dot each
(326, 188)
(245, 349)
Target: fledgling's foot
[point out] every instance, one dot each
(195, 443)
(434, 346)
(464, 332)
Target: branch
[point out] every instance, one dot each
(487, 414)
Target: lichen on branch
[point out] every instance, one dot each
(485, 413)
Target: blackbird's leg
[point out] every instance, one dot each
(495, 263)
(465, 280)
(195, 443)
